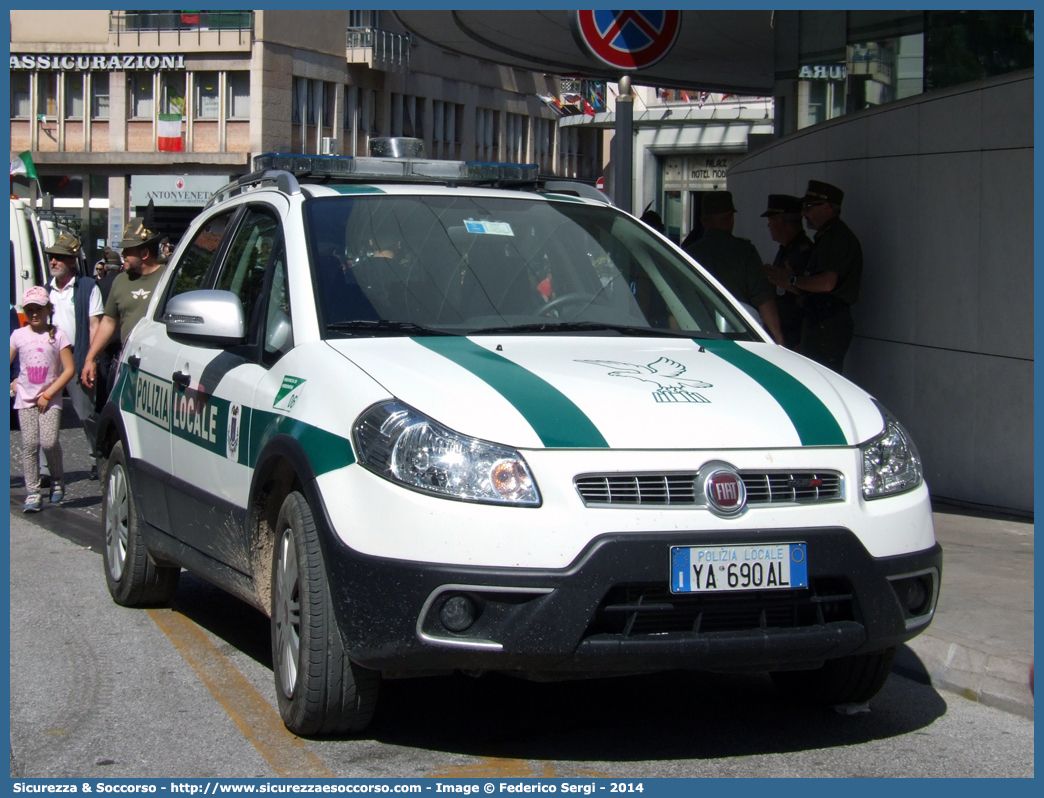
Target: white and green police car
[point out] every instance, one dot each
(427, 423)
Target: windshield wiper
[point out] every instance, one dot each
(384, 326)
(592, 326)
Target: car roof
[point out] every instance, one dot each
(428, 189)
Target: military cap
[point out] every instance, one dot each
(782, 203)
(717, 202)
(113, 261)
(67, 245)
(140, 230)
(823, 192)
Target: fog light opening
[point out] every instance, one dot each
(458, 613)
(915, 594)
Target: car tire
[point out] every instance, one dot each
(133, 577)
(846, 680)
(319, 689)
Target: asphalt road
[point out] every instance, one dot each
(102, 691)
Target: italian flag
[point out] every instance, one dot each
(168, 133)
(22, 164)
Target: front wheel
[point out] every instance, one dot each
(845, 680)
(319, 689)
(133, 577)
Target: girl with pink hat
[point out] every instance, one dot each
(46, 365)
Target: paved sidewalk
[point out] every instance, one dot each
(980, 643)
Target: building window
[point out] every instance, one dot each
(407, 116)
(141, 105)
(516, 138)
(74, 95)
(238, 95)
(20, 104)
(364, 19)
(487, 133)
(100, 96)
(295, 101)
(172, 96)
(208, 97)
(320, 102)
(47, 90)
(314, 90)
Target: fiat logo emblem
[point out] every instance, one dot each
(722, 489)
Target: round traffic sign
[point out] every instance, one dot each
(627, 40)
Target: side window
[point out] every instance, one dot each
(243, 271)
(279, 330)
(199, 255)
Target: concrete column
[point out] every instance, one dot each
(222, 108)
(117, 113)
(337, 123)
(117, 208)
(34, 124)
(427, 132)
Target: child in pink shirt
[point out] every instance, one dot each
(46, 365)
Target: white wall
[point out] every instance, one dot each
(939, 189)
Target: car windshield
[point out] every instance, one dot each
(462, 265)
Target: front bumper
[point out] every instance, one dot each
(611, 610)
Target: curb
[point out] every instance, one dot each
(973, 670)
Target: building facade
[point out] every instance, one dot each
(120, 107)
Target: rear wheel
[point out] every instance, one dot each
(319, 689)
(846, 680)
(133, 578)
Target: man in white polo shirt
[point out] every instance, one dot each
(77, 311)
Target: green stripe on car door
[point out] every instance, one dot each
(556, 420)
(815, 424)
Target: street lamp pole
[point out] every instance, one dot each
(624, 145)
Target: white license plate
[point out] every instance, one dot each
(762, 566)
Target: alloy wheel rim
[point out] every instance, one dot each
(287, 613)
(117, 514)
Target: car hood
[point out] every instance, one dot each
(551, 391)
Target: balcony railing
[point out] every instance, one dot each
(138, 27)
(387, 50)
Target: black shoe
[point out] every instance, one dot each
(94, 472)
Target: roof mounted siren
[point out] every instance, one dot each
(396, 147)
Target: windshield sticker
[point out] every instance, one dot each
(489, 228)
(288, 394)
(664, 373)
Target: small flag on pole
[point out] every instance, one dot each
(168, 133)
(22, 164)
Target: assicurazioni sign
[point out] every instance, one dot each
(73, 63)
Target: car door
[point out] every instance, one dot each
(215, 387)
(144, 389)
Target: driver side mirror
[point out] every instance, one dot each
(206, 317)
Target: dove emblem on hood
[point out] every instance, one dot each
(665, 374)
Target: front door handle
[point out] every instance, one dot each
(181, 380)
(134, 362)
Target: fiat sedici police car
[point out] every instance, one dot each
(434, 416)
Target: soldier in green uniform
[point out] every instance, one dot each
(831, 287)
(784, 224)
(733, 261)
(131, 291)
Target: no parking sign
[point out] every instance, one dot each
(626, 40)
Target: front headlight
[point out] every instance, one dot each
(402, 445)
(890, 461)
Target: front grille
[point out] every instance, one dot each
(650, 608)
(677, 489)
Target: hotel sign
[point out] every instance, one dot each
(72, 63)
